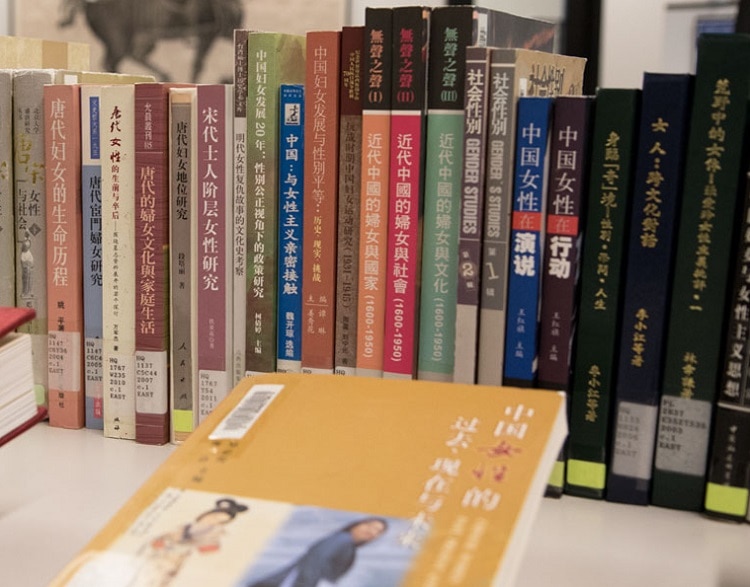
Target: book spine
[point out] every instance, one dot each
(152, 263)
(320, 200)
(713, 169)
(91, 239)
(214, 245)
(727, 483)
(183, 284)
(607, 213)
(350, 178)
(373, 219)
(471, 214)
(527, 232)
(62, 138)
(118, 256)
(239, 205)
(273, 58)
(410, 39)
(7, 215)
(451, 32)
(291, 231)
(31, 214)
(657, 190)
(501, 124)
(567, 191)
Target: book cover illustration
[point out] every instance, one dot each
(193, 538)
(470, 473)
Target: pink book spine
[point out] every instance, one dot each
(214, 153)
(410, 35)
(64, 255)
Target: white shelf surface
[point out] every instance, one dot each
(58, 487)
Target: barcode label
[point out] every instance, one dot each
(246, 412)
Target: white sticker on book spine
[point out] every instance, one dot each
(237, 423)
(682, 438)
(634, 440)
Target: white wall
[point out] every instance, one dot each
(650, 35)
(5, 17)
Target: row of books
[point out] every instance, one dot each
(300, 229)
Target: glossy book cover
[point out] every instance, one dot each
(444, 495)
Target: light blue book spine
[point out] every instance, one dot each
(291, 175)
(91, 188)
(527, 230)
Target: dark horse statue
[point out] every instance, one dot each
(131, 28)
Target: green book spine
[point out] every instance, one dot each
(710, 209)
(450, 34)
(273, 59)
(616, 115)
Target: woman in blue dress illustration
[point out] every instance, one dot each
(328, 559)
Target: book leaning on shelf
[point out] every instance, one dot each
(257, 495)
(18, 406)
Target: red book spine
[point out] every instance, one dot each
(320, 200)
(151, 253)
(410, 36)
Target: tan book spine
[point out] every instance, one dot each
(320, 200)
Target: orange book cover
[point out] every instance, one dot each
(62, 146)
(320, 200)
(444, 495)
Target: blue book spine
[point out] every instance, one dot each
(527, 229)
(91, 188)
(665, 109)
(291, 175)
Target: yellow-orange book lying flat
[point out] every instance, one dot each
(312, 480)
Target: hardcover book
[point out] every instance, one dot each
(350, 178)
(714, 171)
(373, 218)
(62, 147)
(183, 269)
(514, 73)
(273, 59)
(727, 483)
(410, 56)
(320, 200)
(291, 230)
(615, 134)
(657, 192)
(258, 496)
(18, 407)
(526, 239)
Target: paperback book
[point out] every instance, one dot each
(467, 473)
